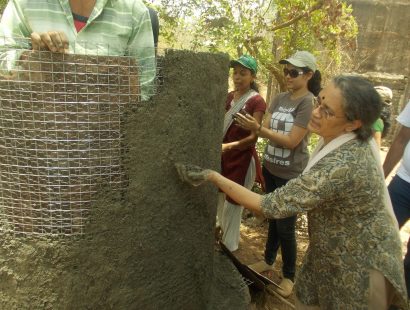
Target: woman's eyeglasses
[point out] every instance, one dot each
(293, 73)
(324, 111)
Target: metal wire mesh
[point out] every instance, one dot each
(61, 138)
(246, 282)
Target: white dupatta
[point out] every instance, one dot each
(322, 150)
(237, 106)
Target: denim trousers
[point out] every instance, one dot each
(281, 233)
(399, 191)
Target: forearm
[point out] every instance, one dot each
(396, 150)
(240, 194)
(278, 138)
(251, 139)
(378, 138)
(242, 144)
(393, 157)
(142, 47)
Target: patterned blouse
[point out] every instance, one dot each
(350, 229)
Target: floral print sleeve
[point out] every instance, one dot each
(350, 229)
(301, 194)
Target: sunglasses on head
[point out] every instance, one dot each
(293, 73)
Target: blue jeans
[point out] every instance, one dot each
(281, 233)
(399, 191)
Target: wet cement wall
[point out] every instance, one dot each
(384, 38)
(383, 43)
(150, 246)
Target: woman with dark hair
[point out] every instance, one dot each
(286, 155)
(239, 160)
(354, 255)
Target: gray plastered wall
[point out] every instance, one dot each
(150, 246)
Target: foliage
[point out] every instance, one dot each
(268, 30)
(260, 147)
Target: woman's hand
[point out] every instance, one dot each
(196, 176)
(247, 121)
(55, 41)
(192, 174)
(228, 146)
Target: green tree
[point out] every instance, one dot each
(2, 5)
(265, 29)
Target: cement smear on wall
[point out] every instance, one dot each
(384, 37)
(151, 246)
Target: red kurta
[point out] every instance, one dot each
(235, 163)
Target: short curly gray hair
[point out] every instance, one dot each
(361, 102)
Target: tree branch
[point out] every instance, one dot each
(318, 5)
(313, 8)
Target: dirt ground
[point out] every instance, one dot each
(252, 246)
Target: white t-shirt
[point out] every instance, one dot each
(404, 169)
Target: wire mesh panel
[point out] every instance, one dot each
(61, 138)
(246, 283)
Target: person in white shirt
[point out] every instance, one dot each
(399, 187)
